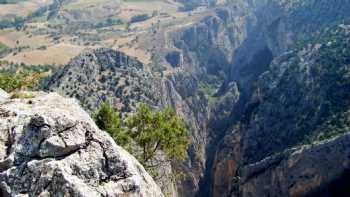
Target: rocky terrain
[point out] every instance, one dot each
(108, 75)
(250, 84)
(320, 169)
(262, 84)
(298, 100)
(51, 147)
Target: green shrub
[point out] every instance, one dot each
(109, 120)
(139, 18)
(3, 48)
(150, 130)
(10, 83)
(160, 130)
(10, 1)
(190, 5)
(21, 81)
(109, 22)
(21, 76)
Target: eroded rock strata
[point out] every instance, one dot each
(51, 147)
(253, 79)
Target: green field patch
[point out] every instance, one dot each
(3, 48)
(11, 1)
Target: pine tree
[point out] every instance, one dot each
(150, 130)
(161, 130)
(109, 120)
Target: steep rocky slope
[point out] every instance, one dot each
(108, 75)
(301, 99)
(320, 169)
(94, 77)
(256, 34)
(251, 78)
(51, 147)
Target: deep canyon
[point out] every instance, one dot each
(263, 85)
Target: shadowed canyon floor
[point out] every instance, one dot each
(263, 85)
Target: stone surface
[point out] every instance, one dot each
(321, 169)
(51, 147)
(3, 95)
(262, 91)
(292, 137)
(102, 75)
(109, 75)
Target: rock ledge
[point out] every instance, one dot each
(49, 146)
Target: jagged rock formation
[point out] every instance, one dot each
(320, 169)
(106, 75)
(249, 86)
(194, 53)
(181, 92)
(236, 44)
(301, 99)
(51, 147)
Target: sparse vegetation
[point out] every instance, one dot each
(23, 77)
(10, 1)
(190, 5)
(332, 72)
(12, 82)
(3, 48)
(42, 48)
(12, 68)
(22, 95)
(16, 22)
(209, 90)
(158, 68)
(139, 18)
(109, 22)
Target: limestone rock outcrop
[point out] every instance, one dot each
(102, 75)
(239, 78)
(51, 147)
(3, 95)
(292, 138)
(320, 169)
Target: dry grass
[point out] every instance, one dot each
(126, 41)
(57, 54)
(22, 95)
(141, 55)
(10, 38)
(126, 44)
(22, 8)
(131, 8)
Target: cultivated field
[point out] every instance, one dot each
(22, 8)
(79, 25)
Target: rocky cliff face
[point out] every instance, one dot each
(236, 44)
(108, 75)
(51, 147)
(301, 99)
(193, 55)
(251, 78)
(320, 169)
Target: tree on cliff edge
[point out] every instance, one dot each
(107, 119)
(160, 130)
(150, 130)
